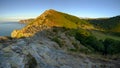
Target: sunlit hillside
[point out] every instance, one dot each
(49, 19)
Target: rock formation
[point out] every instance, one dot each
(40, 51)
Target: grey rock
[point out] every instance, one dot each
(16, 49)
(65, 66)
(43, 53)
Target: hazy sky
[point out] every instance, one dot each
(12, 10)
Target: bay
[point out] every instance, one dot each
(7, 27)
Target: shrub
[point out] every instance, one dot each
(94, 43)
(85, 50)
(86, 38)
(111, 46)
(58, 41)
(73, 50)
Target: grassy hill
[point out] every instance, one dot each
(51, 18)
(92, 38)
(109, 24)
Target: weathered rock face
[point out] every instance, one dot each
(41, 52)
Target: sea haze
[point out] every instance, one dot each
(7, 27)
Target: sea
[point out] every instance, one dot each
(6, 28)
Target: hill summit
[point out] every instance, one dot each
(51, 18)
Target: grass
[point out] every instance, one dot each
(116, 28)
(103, 36)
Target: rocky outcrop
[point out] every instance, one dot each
(40, 51)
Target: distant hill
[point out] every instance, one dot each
(52, 18)
(111, 24)
(26, 21)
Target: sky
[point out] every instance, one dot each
(15, 10)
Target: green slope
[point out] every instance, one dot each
(51, 18)
(109, 24)
(101, 36)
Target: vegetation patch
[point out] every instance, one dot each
(107, 46)
(57, 40)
